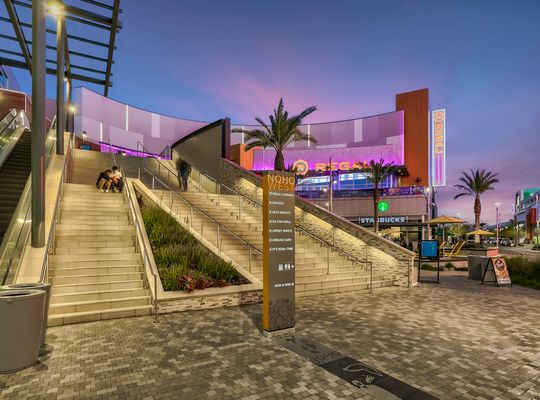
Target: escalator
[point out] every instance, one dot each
(13, 176)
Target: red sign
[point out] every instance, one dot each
(501, 271)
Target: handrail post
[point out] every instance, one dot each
(217, 239)
(153, 182)
(370, 278)
(191, 214)
(327, 260)
(139, 173)
(200, 181)
(249, 261)
(218, 191)
(239, 207)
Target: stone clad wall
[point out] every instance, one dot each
(202, 302)
(387, 258)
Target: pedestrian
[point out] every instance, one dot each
(185, 170)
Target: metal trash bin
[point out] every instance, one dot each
(21, 315)
(477, 266)
(46, 287)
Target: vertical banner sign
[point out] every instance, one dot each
(438, 147)
(278, 250)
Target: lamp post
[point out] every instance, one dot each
(56, 9)
(497, 207)
(428, 199)
(331, 184)
(537, 220)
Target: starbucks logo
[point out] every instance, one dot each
(300, 167)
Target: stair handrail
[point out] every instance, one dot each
(12, 236)
(221, 226)
(140, 231)
(64, 178)
(6, 151)
(251, 201)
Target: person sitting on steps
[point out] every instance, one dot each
(104, 180)
(117, 179)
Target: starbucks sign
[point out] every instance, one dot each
(383, 206)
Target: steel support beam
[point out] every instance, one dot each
(53, 32)
(51, 71)
(39, 15)
(112, 39)
(18, 32)
(60, 103)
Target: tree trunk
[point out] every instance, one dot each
(375, 208)
(477, 211)
(279, 161)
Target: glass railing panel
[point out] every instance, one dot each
(16, 237)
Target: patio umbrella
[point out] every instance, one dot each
(480, 232)
(443, 220)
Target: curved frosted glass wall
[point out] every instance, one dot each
(352, 140)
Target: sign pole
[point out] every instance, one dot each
(278, 252)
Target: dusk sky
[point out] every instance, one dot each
(480, 60)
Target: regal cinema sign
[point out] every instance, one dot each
(301, 167)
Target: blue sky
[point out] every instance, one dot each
(480, 59)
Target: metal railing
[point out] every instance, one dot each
(9, 134)
(64, 178)
(141, 245)
(16, 236)
(219, 192)
(220, 228)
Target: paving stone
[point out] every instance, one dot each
(456, 340)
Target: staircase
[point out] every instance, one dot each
(13, 177)
(95, 271)
(315, 274)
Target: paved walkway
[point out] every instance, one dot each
(454, 340)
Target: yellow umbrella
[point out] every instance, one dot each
(443, 219)
(480, 232)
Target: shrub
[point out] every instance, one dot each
(183, 263)
(449, 265)
(524, 271)
(429, 267)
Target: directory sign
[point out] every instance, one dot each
(278, 250)
(429, 249)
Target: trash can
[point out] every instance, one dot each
(477, 266)
(46, 287)
(21, 315)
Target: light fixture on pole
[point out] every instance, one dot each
(497, 207)
(331, 184)
(429, 216)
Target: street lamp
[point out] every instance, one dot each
(428, 200)
(497, 206)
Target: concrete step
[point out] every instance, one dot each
(74, 271)
(96, 278)
(75, 318)
(98, 295)
(343, 288)
(113, 258)
(71, 288)
(99, 242)
(98, 305)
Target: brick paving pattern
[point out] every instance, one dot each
(456, 340)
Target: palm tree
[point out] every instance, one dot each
(474, 184)
(376, 172)
(281, 131)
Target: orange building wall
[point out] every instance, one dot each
(242, 157)
(415, 105)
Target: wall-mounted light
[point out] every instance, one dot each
(84, 136)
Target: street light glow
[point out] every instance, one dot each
(55, 8)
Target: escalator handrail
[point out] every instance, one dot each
(16, 134)
(23, 208)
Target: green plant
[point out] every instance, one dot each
(281, 131)
(428, 267)
(183, 263)
(524, 271)
(474, 184)
(449, 265)
(376, 172)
